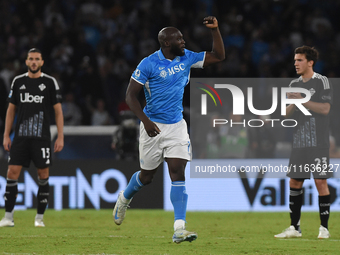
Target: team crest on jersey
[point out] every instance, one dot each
(163, 74)
(312, 91)
(42, 86)
(137, 73)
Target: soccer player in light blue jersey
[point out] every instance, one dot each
(163, 131)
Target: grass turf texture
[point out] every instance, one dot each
(150, 232)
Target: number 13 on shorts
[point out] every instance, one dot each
(45, 152)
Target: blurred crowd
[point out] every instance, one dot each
(92, 46)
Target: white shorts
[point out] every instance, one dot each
(172, 142)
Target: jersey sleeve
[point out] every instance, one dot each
(142, 72)
(12, 96)
(55, 92)
(326, 91)
(196, 58)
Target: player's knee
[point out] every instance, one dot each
(177, 176)
(146, 178)
(296, 183)
(322, 187)
(43, 173)
(13, 173)
(321, 183)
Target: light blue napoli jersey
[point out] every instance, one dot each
(164, 81)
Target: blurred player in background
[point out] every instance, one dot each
(163, 131)
(31, 97)
(310, 151)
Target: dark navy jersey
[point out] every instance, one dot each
(34, 98)
(312, 131)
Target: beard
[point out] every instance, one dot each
(176, 51)
(34, 71)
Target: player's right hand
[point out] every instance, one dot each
(7, 143)
(210, 22)
(151, 128)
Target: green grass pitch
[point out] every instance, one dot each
(150, 232)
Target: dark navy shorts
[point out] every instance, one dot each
(303, 163)
(23, 151)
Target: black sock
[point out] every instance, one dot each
(43, 194)
(324, 206)
(11, 194)
(295, 203)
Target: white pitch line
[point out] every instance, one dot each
(304, 239)
(154, 236)
(229, 238)
(27, 236)
(63, 253)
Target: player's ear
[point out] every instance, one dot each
(42, 62)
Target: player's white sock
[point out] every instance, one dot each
(39, 216)
(179, 224)
(9, 215)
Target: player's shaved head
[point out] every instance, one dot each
(165, 34)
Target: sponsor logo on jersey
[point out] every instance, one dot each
(161, 67)
(176, 69)
(42, 86)
(23, 87)
(27, 98)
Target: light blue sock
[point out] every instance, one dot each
(133, 187)
(179, 199)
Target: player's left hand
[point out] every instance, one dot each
(59, 144)
(210, 22)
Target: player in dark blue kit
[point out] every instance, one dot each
(32, 96)
(163, 131)
(310, 151)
